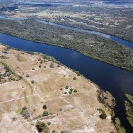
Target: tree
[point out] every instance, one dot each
(45, 113)
(44, 106)
(103, 116)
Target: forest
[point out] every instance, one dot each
(90, 45)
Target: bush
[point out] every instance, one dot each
(75, 91)
(44, 106)
(45, 113)
(49, 123)
(74, 78)
(24, 108)
(70, 92)
(103, 116)
(52, 65)
(101, 110)
(27, 75)
(32, 81)
(66, 87)
(27, 116)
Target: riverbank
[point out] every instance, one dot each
(89, 45)
(71, 100)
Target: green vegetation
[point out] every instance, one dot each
(18, 111)
(49, 123)
(129, 109)
(75, 90)
(45, 113)
(103, 114)
(32, 82)
(90, 45)
(67, 87)
(44, 106)
(51, 65)
(119, 127)
(25, 113)
(42, 127)
(74, 78)
(112, 21)
(8, 75)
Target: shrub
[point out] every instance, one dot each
(24, 108)
(49, 123)
(27, 115)
(52, 65)
(70, 92)
(103, 116)
(45, 113)
(101, 110)
(74, 78)
(66, 87)
(44, 106)
(75, 91)
(32, 81)
(27, 75)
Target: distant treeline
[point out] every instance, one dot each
(113, 21)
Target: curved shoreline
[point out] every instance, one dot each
(70, 49)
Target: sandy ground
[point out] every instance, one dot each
(76, 112)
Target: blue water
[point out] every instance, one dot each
(3, 17)
(108, 77)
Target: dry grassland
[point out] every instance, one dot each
(76, 112)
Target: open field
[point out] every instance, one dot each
(72, 103)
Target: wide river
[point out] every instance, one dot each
(117, 81)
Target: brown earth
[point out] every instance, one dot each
(76, 112)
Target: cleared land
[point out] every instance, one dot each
(71, 103)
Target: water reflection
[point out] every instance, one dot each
(3, 17)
